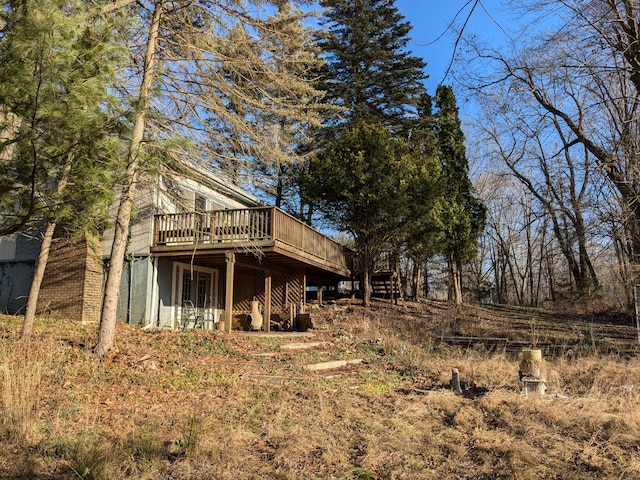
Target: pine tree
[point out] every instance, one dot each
(61, 121)
(369, 72)
(290, 44)
(423, 232)
(54, 103)
(462, 214)
(378, 85)
(362, 185)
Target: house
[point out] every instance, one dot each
(17, 257)
(196, 240)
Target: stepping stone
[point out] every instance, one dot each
(332, 364)
(304, 346)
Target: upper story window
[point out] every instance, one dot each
(200, 203)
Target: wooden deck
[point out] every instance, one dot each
(267, 229)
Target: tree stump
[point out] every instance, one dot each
(455, 381)
(532, 372)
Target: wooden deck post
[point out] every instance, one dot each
(267, 301)
(230, 259)
(392, 290)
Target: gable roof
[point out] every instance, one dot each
(210, 179)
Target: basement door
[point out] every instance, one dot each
(198, 285)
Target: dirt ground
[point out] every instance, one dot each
(202, 404)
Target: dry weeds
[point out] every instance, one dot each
(196, 405)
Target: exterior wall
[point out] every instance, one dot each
(93, 282)
(17, 258)
(74, 278)
(72, 286)
(186, 190)
(141, 235)
(141, 224)
(15, 282)
(134, 304)
(165, 292)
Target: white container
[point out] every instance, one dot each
(256, 316)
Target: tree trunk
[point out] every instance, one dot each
(455, 287)
(366, 280)
(38, 276)
(106, 334)
(417, 273)
(459, 297)
(551, 276)
(366, 288)
(43, 258)
(425, 284)
(279, 186)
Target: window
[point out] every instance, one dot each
(200, 203)
(8, 247)
(198, 285)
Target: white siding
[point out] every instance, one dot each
(167, 195)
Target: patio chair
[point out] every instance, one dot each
(190, 315)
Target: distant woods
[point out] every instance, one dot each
(557, 140)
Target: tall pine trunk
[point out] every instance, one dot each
(43, 259)
(417, 273)
(366, 279)
(36, 283)
(108, 317)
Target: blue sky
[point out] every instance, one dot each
(430, 18)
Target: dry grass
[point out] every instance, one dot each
(193, 405)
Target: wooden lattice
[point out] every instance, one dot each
(285, 290)
(278, 294)
(295, 293)
(248, 284)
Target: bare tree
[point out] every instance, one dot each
(207, 80)
(513, 241)
(559, 180)
(571, 100)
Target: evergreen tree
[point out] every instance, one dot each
(462, 214)
(57, 113)
(361, 186)
(60, 121)
(290, 44)
(369, 72)
(423, 233)
(378, 85)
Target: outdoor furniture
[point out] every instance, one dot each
(190, 315)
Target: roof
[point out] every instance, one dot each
(212, 180)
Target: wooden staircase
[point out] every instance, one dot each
(385, 286)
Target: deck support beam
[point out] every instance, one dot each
(230, 259)
(267, 301)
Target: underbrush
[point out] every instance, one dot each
(196, 405)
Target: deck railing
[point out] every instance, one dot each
(247, 226)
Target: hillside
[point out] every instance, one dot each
(206, 405)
